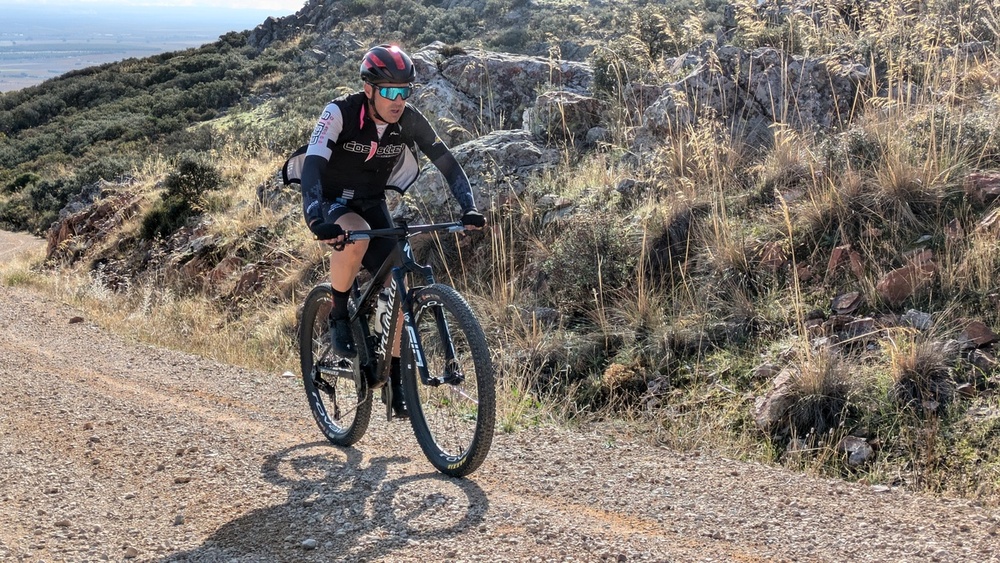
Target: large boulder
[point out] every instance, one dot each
(475, 92)
(498, 164)
(563, 116)
(751, 90)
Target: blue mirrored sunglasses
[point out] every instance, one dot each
(393, 92)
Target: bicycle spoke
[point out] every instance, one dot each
(339, 400)
(461, 392)
(453, 416)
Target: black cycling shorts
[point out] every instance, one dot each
(375, 212)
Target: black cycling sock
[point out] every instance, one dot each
(339, 310)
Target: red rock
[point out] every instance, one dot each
(902, 283)
(982, 187)
(837, 256)
(857, 266)
(979, 334)
(846, 303)
(224, 269)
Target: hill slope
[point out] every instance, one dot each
(121, 450)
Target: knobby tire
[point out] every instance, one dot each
(341, 401)
(453, 423)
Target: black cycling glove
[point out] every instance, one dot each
(326, 231)
(474, 219)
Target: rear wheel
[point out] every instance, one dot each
(453, 417)
(338, 394)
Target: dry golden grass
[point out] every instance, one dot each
(184, 320)
(22, 269)
(921, 370)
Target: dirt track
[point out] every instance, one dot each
(115, 450)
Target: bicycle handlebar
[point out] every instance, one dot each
(400, 232)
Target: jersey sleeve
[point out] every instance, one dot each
(318, 152)
(437, 152)
(326, 132)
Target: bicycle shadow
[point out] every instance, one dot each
(342, 510)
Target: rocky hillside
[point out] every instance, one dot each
(781, 235)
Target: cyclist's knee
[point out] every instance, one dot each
(350, 254)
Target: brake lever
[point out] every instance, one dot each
(338, 246)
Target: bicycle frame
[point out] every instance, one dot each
(400, 300)
(451, 405)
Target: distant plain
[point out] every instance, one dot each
(39, 42)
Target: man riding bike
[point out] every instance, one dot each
(362, 142)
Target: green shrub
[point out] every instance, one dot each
(14, 213)
(36, 201)
(43, 201)
(513, 39)
(170, 214)
(109, 168)
(592, 256)
(860, 149)
(194, 175)
(186, 187)
(22, 181)
(975, 134)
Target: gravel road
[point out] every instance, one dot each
(115, 450)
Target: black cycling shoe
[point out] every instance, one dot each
(342, 338)
(399, 409)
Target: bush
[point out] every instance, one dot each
(170, 214)
(21, 182)
(42, 202)
(975, 134)
(14, 213)
(186, 187)
(593, 254)
(193, 176)
(864, 150)
(109, 168)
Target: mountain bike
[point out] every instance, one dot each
(447, 374)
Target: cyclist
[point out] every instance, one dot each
(362, 144)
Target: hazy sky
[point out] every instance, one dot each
(284, 6)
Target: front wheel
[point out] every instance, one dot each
(338, 394)
(453, 417)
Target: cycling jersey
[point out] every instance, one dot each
(350, 157)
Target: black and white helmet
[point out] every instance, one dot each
(387, 64)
